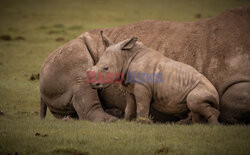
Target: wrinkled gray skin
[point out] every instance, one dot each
(218, 47)
(63, 85)
(180, 88)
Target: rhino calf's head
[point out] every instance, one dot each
(110, 66)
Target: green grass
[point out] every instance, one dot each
(41, 23)
(119, 138)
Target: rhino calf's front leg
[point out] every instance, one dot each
(143, 98)
(130, 111)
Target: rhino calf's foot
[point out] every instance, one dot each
(213, 119)
(206, 111)
(191, 119)
(68, 118)
(143, 120)
(186, 121)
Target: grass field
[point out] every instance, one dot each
(30, 30)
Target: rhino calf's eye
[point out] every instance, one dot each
(105, 68)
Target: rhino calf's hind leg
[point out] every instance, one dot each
(204, 102)
(205, 110)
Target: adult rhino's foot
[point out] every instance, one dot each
(111, 119)
(144, 120)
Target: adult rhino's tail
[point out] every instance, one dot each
(43, 109)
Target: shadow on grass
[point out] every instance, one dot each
(66, 150)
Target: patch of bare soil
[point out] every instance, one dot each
(5, 37)
(198, 15)
(20, 38)
(163, 150)
(60, 39)
(34, 77)
(41, 135)
(69, 151)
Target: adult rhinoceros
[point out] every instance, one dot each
(218, 47)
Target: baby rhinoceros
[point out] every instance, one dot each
(152, 79)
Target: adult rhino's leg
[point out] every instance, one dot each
(59, 106)
(87, 105)
(235, 104)
(43, 109)
(85, 99)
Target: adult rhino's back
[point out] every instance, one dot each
(208, 45)
(218, 47)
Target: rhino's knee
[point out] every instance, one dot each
(193, 101)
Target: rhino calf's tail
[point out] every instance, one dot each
(43, 109)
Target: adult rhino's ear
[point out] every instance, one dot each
(106, 41)
(128, 44)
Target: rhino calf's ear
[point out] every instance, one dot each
(127, 45)
(106, 41)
